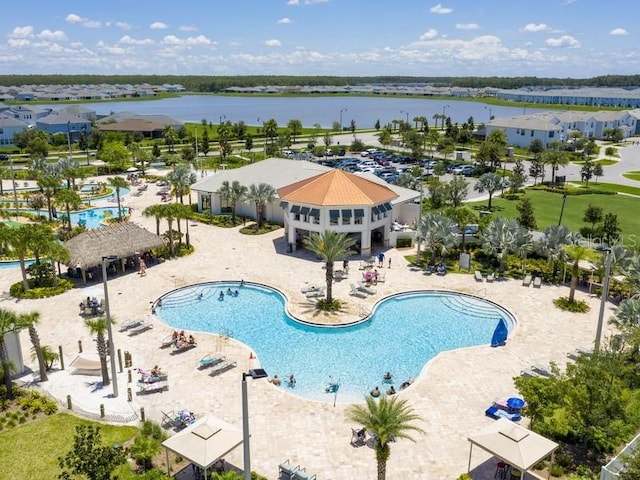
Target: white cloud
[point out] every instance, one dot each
(112, 49)
(85, 22)
(429, 34)
(124, 25)
(535, 27)
(127, 40)
(311, 2)
(52, 36)
(293, 2)
(19, 42)
(273, 43)
(564, 41)
(467, 26)
(199, 40)
(285, 20)
(618, 31)
(440, 9)
(158, 26)
(187, 28)
(22, 32)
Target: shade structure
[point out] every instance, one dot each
(512, 443)
(205, 441)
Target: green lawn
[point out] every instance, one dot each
(31, 451)
(547, 208)
(613, 187)
(633, 175)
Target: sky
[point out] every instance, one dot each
(505, 38)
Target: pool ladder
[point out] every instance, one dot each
(364, 311)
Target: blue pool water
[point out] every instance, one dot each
(92, 217)
(404, 332)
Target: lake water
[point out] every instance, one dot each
(310, 110)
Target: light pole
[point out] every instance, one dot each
(86, 142)
(603, 298)
(564, 199)
(112, 356)
(443, 114)
(222, 117)
(246, 446)
(407, 113)
(525, 109)
(341, 110)
(69, 136)
(419, 222)
(490, 116)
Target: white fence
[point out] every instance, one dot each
(611, 471)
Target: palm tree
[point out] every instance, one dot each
(556, 158)
(68, 198)
(181, 178)
(388, 418)
(49, 184)
(260, 194)
(31, 319)
(330, 246)
(156, 212)
(551, 245)
(576, 253)
(503, 236)
(69, 170)
(170, 137)
(169, 213)
(437, 232)
(625, 319)
(183, 212)
(8, 323)
(462, 216)
(491, 182)
(98, 327)
(237, 194)
(118, 183)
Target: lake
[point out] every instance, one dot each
(253, 110)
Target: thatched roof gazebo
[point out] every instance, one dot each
(122, 240)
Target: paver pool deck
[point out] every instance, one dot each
(450, 394)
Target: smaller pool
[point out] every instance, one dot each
(91, 218)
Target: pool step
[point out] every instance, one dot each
(470, 306)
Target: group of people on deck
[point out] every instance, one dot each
(180, 340)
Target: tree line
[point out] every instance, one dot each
(213, 84)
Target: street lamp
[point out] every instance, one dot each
(490, 116)
(564, 199)
(407, 113)
(112, 356)
(419, 222)
(443, 114)
(604, 295)
(222, 117)
(246, 447)
(86, 142)
(69, 136)
(341, 110)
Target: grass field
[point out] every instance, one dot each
(633, 175)
(31, 451)
(547, 208)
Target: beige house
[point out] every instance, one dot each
(360, 195)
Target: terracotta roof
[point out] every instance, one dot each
(336, 187)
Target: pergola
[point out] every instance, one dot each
(204, 443)
(519, 447)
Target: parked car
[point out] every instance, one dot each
(342, 152)
(465, 170)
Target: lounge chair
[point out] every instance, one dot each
(537, 282)
(141, 327)
(309, 288)
(528, 372)
(177, 420)
(129, 324)
(316, 293)
(366, 289)
(542, 370)
(167, 341)
(381, 277)
(428, 270)
(526, 281)
(286, 470)
(491, 277)
(478, 276)
(357, 293)
(497, 412)
(144, 388)
(358, 437)
(302, 474)
(222, 367)
(577, 353)
(210, 360)
(183, 347)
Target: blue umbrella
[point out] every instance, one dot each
(500, 334)
(515, 403)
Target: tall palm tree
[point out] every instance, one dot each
(462, 216)
(576, 253)
(170, 137)
(556, 158)
(155, 211)
(8, 322)
(169, 213)
(224, 192)
(183, 212)
(437, 232)
(551, 245)
(49, 184)
(503, 236)
(118, 183)
(98, 327)
(330, 246)
(181, 178)
(625, 319)
(260, 194)
(389, 418)
(31, 319)
(491, 183)
(68, 199)
(69, 170)
(237, 194)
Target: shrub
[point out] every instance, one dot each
(17, 290)
(464, 476)
(403, 243)
(577, 306)
(332, 306)
(556, 471)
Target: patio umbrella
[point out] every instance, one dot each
(515, 403)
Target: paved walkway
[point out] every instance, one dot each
(450, 394)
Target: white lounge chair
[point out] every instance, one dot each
(478, 276)
(309, 288)
(542, 370)
(141, 327)
(537, 282)
(526, 281)
(222, 367)
(130, 324)
(357, 293)
(491, 277)
(210, 360)
(286, 470)
(316, 293)
(363, 287)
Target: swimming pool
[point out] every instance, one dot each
(91, 217)
(404, 332)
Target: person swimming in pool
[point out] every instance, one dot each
(375, 393)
